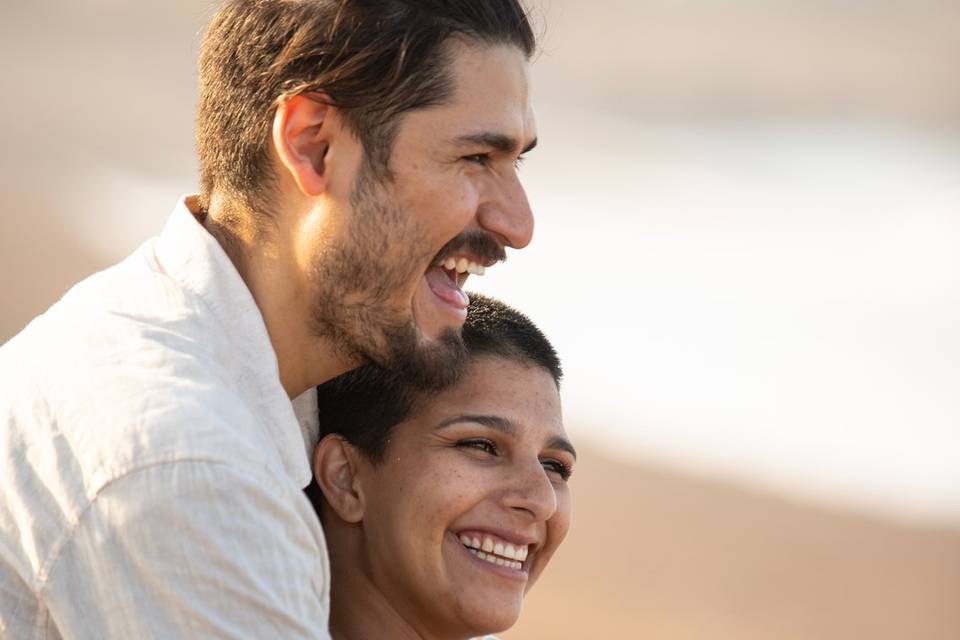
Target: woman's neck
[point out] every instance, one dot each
(361, 612)
(361, 609)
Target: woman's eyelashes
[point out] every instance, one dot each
(557, 468)
(561, 469)
(480, 444)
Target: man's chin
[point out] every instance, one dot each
(432, 365)
(425, 363)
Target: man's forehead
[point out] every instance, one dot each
(468, 56)
(489, 106)
(491, 77)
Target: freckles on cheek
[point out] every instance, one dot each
(449, 488)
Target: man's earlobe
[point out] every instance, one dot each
(300, 140)
(335, 467)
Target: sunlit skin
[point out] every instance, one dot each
(454, 170)
(489, 455)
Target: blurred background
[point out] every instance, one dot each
(747, 253)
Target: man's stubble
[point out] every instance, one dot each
(382, 251)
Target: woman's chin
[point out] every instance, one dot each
(486, 617)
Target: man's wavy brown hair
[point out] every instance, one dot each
(373, 59)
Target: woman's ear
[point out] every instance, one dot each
(301, 139)
(335, 466)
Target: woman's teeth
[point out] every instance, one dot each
(463, 265)
(496, 552)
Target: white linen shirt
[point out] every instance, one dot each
(151, 464)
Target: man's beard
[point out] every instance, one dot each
(354, 285)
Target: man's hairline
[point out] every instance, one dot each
(268, 191)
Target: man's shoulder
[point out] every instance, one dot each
(93, 393)
(128, 367)
(131, 299)
(114, 411)
(118, 321)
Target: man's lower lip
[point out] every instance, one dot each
(451, 299)
(447, 292)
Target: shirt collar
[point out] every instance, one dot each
(197, 262)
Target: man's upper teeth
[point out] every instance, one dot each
(463, 266)
(492, 546)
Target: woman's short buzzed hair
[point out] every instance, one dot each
(365, 404)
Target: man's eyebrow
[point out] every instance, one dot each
(496, 141)
(505, 426)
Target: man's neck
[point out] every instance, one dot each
(304, 360)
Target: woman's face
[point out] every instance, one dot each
(471, 500)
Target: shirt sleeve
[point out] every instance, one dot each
(192, 550)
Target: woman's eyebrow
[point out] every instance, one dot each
(494, 422)
(562, 444)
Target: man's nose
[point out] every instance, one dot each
(531, 492)
(506, 213)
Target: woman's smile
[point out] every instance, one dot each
(493, 554)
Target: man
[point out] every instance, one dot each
(357, 163)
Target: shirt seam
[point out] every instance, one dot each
(43, 575)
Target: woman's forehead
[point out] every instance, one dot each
(507, 391)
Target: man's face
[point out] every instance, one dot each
(388, 288)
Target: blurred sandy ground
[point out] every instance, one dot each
(96, 141)
(655, 555)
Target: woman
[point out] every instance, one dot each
(441, 511)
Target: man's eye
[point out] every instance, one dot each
(480, 444)
(478, 158)
(518, 162)
(562, 470)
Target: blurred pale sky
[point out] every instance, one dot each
(748, 219)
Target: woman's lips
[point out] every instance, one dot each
(504, 568)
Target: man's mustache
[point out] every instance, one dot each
(478, 244)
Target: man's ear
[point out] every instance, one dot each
(335, 467)
(301, 130)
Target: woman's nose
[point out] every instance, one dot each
(531, 492)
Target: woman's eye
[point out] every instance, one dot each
(560, 469)
(480, 444)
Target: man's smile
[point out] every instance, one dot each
(461, 264)
(446, 283)
(470, 253)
